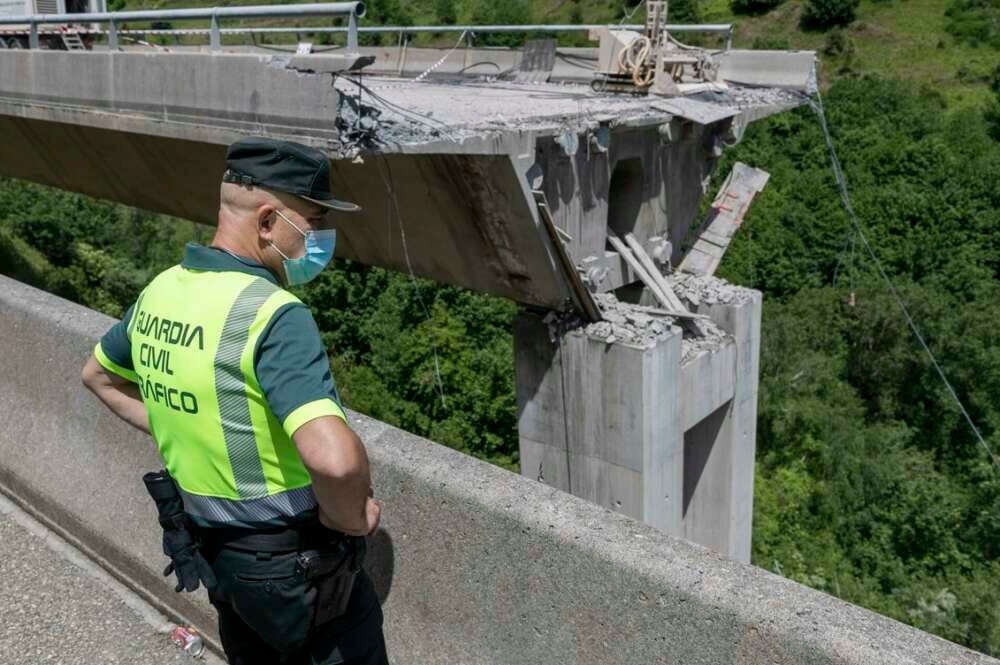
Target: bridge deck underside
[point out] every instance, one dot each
(465, 218)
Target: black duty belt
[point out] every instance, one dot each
(296, 538)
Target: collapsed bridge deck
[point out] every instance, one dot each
(149, 129)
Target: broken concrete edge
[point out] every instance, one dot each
(484, 556)
(66, 101)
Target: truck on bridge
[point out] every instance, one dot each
(67, 36)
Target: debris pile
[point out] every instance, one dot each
(708, 290)
(414, 112)
(746, 98)
(627, 323)
(712, 338)
(635, 325)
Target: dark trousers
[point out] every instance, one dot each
(265, 613)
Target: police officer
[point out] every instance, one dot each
(227, 372)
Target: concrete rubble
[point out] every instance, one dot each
(634, 325)
(708, 290)
(626, 324)
(410, 112)
(745, 98)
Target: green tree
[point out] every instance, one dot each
(753, 7)
(445, 12)
(501, 12)
(684, 11)
(824, 14)
(992, 112)
(975, 22)
(384, 12)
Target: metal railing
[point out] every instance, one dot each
(353, 10)
(726, 28)
(471, 30)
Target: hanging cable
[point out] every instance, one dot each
(817, 107)
(394, 207)
(440, 62)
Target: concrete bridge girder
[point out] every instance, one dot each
(150, 129)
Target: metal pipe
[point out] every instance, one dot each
(256, 11)
(714, 27)
(726, 28)
(708, 27)
(33, 37)
(215, 39)
(352, 31)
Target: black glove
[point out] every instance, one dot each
(178, 542)
(186, 561)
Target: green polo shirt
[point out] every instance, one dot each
(290, 362)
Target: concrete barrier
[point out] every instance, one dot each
(474, 564)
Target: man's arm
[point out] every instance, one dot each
(338, 464)
(294, 374)
(118, 394)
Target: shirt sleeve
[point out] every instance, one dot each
(114, 351)
(293, 369)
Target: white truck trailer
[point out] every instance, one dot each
(54, 36)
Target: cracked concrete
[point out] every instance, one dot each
(709, 290)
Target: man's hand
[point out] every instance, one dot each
(338, 465)
(373, 517)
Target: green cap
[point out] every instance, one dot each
(284, 166)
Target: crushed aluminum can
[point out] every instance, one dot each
(188, 639)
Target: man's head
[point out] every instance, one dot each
(276, 206)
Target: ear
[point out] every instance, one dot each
(265, 220)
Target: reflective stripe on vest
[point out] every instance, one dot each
(214, 510)
(193, 336)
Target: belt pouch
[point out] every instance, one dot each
(334, 573)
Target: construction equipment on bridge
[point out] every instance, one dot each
(652, 62)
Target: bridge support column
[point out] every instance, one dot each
(664, 434)
(602, 421)
(719, 450)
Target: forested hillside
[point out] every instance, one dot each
(870, 485)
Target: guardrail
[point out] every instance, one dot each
(726, 28)
(353, 10)
(353, 30)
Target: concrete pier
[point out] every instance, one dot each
(601, 420)
(719, 449)
(662, 432)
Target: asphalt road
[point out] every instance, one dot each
(56, 607)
